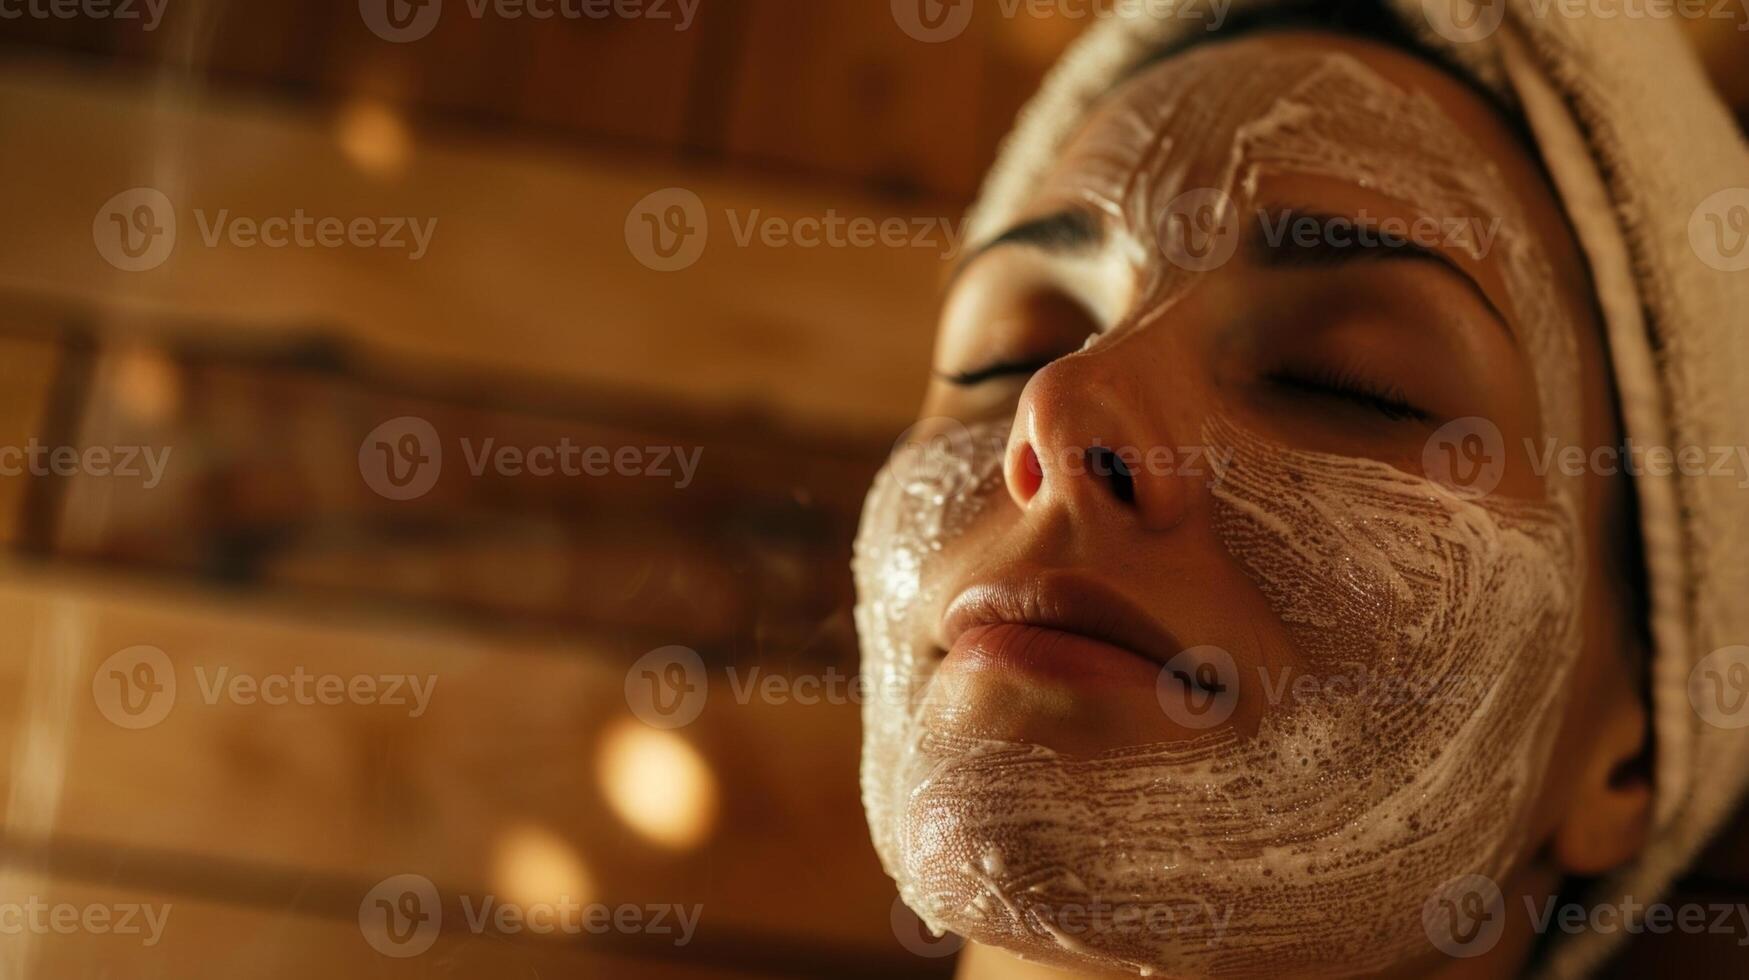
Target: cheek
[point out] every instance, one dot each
(1367, 563)
(927, 496)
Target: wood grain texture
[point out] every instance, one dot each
(528, 270)
(267, 795)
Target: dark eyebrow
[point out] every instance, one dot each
(1071, 231)
(1282, 251)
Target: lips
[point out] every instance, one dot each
(1058, 625)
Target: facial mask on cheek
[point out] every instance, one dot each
(1313, 842)
(1440, 631)
(924, 498)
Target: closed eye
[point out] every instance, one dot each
(1385, 399)
(1001, 369)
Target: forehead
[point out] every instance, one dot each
(1229, 115)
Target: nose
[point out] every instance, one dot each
(1089, 438)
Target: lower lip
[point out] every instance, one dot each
(1047, 654)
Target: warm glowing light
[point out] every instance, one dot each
(147, 386)
(374, 138)
(658, 784)
(535, 866)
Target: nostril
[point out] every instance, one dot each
(1025, 478)
(1106, 464)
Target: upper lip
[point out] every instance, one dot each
(1060, 601)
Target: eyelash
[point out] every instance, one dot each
(1386, 399)
(1003, 369)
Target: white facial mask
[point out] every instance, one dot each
(1310, 846)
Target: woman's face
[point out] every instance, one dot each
(1220, 612)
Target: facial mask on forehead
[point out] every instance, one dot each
(1310, 846)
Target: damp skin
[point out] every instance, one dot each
(1308, 846)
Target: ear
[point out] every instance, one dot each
(1611, 809)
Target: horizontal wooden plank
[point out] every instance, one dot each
(516, 765)
(528, 271)
(258, 471)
